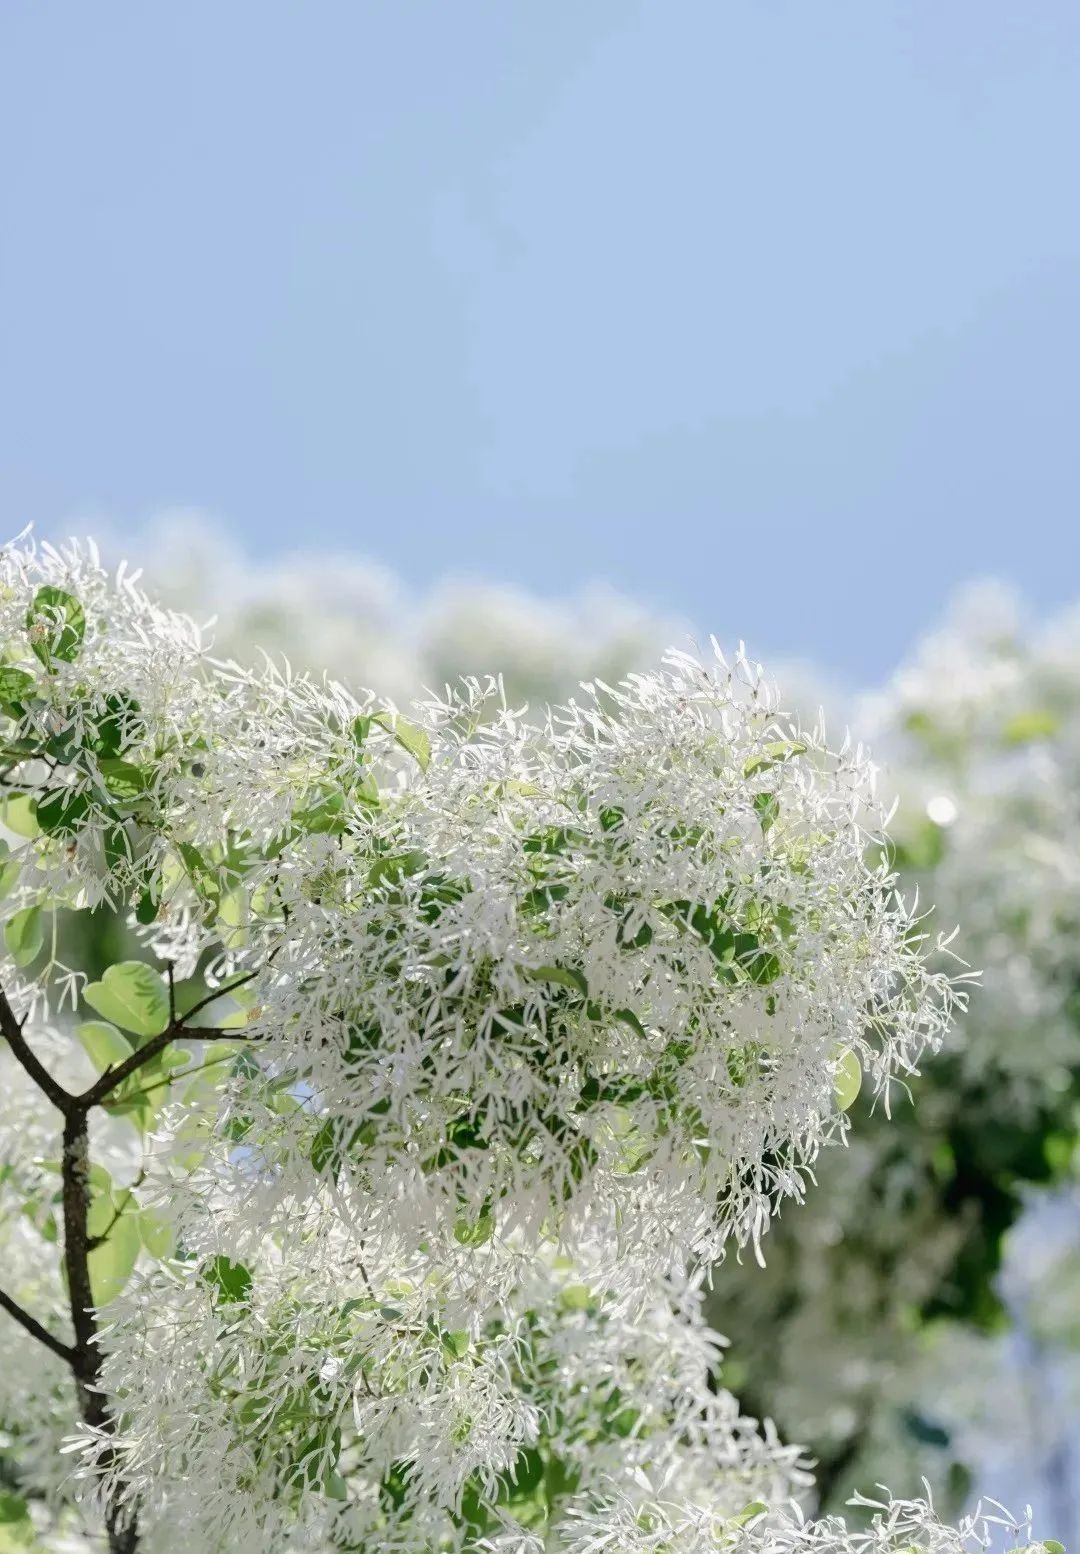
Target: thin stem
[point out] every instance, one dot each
(34, 1327)
(178, 1077)
(220, 992)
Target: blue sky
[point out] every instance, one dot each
(767, 313)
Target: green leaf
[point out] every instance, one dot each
(456, 1343)
(628, 1017)
(56, 624)
(624, 1422)
(155, 1232)
(395, 867)
(768, 809)
(231, 1280)
(566, 976)
(475, 1233)
(232, 918)
(409, 737)
(133, 996)
(15, 684)
(124, 779)
(762, 967)
(110, 1264)
(120, 726)
(749, 1512)
(10, 869)
(575, 1297)
(23, 935)
(105, 1046)
(117, 847)
(526, 1475)
(97, 1175)
(743, 1062)
(18, 814)
(366, 791)
(1038, 723)
(716, 933)
(62, 746)
(62, 811)
(326, 816)
(1052, 1546)
(326, 1148)
(773, 754)
(511, 787)
(13, 1508)
(847, 1079)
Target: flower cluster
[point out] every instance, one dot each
(624, 956)
(318, 1389)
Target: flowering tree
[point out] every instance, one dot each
(349, 1203)
(893, 1264)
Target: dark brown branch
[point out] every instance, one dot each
(113, 1077)
(120, 1523)
(34, 1327)
(12, 1030)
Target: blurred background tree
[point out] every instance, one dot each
(859, 1335)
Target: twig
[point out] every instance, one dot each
(34, 1327)
(220, 992)
(12, 1030)
(179, 1076)
(93, 1242)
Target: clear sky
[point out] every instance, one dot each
(766, 312)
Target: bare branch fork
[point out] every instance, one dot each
(84, 1357)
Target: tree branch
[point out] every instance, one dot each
(120, 1523)
(176, 1030)
(113, 1077)
(11, 1029)
(34, 1327)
